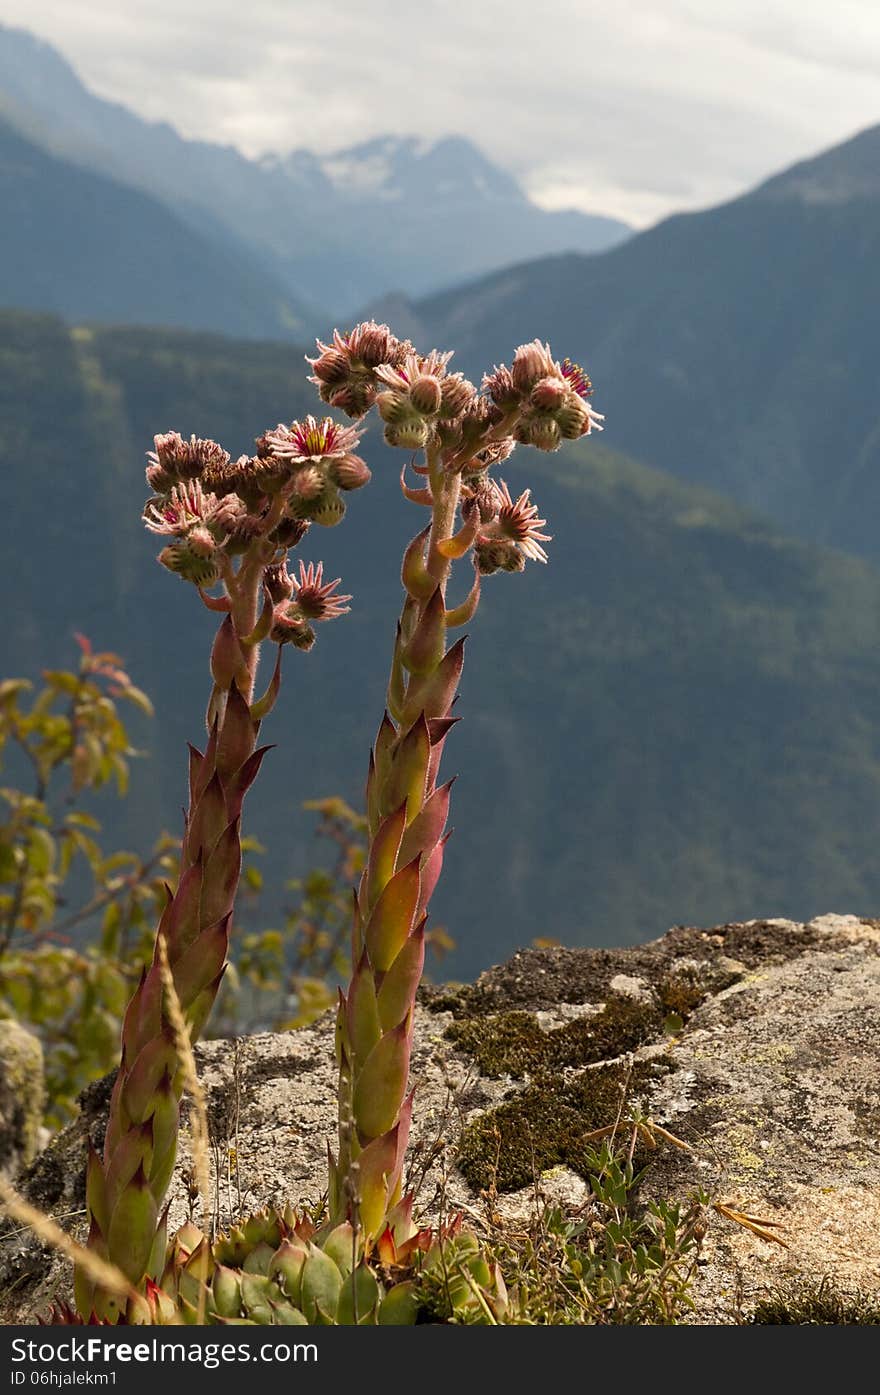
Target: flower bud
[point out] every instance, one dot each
(201, 542)
(573, 419)
(457, 394)
(531, 362)
(289, 627)
(328, 511)
(159, 480)
(409, 435)
(542, 433)
(180, 558)
(278, 583)
(308, 485)
(500, 387)
(351, 472)
(497, 554)
(394, 407)
(549, 394)
(332, 367)
(290, 531)
(426, 395)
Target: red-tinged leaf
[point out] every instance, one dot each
(133, 1152)
(431, 874)
(398, 991)
(196, 765)
(464, 613)
(96, 1191)
(239, 784)
(374, 1164)
(166, 1125)
(413, 573)
(440, 727)
(357, 938)
(207, 821)
(221, 604)
(401, 1217)
(118, 1120)
(132, 1228)
(425, 648)
(386, 740)
(409, 771)
(227, 660)
(362, 1013)
(433, 695)
(130, 1022)
(391, 919)
(202, 962)
(237, 735)
(222, 872)
(149, 1008)
(381, 1084)
(156, 1263)
(264, 705)
(460, 542)
(415, 496)
(383, 858)
(180, 921)
(386, 1253)
(426, 829)
(397, 679)
(142, 1081)
(199, 1012)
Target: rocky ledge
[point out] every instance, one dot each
(755, 1044)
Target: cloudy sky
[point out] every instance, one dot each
(633, 110)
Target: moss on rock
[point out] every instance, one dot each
(544, 1126)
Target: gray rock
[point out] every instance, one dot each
(21, 1097)
(771, 1081)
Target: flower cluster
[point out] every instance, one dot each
(213, 510)
(549, 398)
(345, 371)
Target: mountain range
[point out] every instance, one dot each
(675, 720)
(738, 347)
(335, 229)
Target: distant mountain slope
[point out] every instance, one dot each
(322, 223)
(87, 247)
(739, 347)
(676, 719)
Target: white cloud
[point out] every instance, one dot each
(636, 111)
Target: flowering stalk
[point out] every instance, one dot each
(232, 524)
(462, 435)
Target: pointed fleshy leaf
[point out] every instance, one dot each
(431, 870)
(433, 694)
(202, 962)
(460, 542)
(362, 1013)
(386, 740)
(371, 796)
(181, 919)
(96, 1193)
(426, 829)
(374, 1165)
(196, 765)
(413, 573)
(401, 1216)
(237, 735)
(464, 613)
(397, 993)
(239, 784)
(381, 1084)
(160, 1245)
(357, 935)
(221, 604)
(227, 660)
(424, 650)
(339, 1246)
(415, 496)
(358, 1298)
(264, 705)
(207, 821)
(156, 1059)
(200, 1010)
(409, 771)
(149, 999)
(133, 1152)
(440, 727)
(321, 1282)
(396, 680)
(222, 871)
(391, 919)
(166, 1122)
(384, 849)
(400, 1306)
